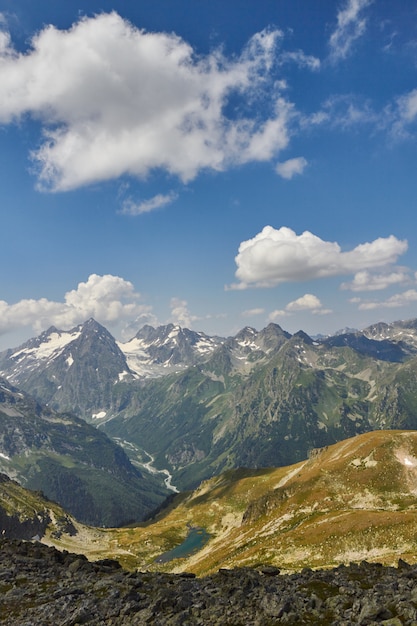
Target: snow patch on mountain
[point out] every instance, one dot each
(155, 352)
(98, 416)
(401, 331)
(49, 348)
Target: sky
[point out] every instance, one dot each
(212, 164)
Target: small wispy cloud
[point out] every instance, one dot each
(306, 303)
(251, 312)
(367, 281)
(180, 313)
(292, 167)
(403, 115)
(301, 59)
(398, 300)
(146, 206)
(351, 25)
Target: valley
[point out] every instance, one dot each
(137, 456)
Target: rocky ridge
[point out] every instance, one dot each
(40, 585)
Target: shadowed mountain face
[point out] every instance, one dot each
(71, 462)
(200, 405)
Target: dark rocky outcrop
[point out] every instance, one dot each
(40, 585)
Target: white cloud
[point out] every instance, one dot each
(307, 303)
(408, 106)
(366, 281)
(345, 111)
(180, 314)
(290, 168)
(131, 327)
(349, 111)
(398, 300)
(301, 59)
(274, 315)
(251, 312)
(109, 299)
(146, 206)
(277, 256)
(113, 100)
(350, 26)
(402, 115)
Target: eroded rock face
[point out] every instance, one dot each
(40, 585)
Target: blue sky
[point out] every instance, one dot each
(214, 164)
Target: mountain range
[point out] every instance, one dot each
(194, 406)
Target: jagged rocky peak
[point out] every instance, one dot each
(45, 335)
(147, 333)
(169, 333)
(91, 325)
(300, 335)
(51, 337)
(381, 330)
(70, 370)
(165, 347)
(399, 332)
(92, 328)
(94, 334)
(347, 330)
(275, 329)
(272, 337)
(246, 335)
(51, 342)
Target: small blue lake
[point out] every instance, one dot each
(195, 540)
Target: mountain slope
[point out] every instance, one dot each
(71, 462)
(353, 501)
(263, 409)
(26, 514)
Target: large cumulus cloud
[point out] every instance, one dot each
(108, 299)
(277, 256)
(113, 99)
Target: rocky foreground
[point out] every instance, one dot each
(40, 585)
